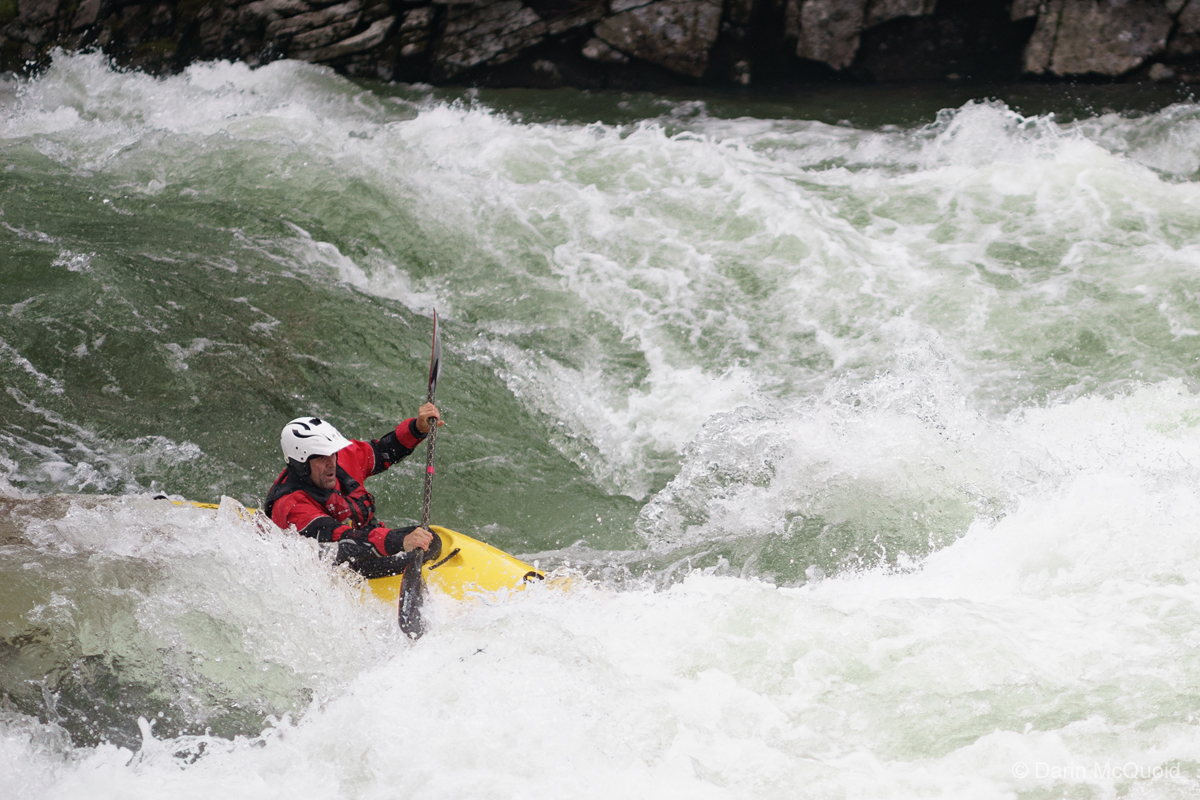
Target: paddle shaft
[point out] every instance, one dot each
(430, 440)
(412, 585)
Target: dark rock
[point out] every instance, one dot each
(622, 44)
(32, 35)
(619, 6)
(86, 15)
(880, 11)
(674, 33)
(215, 28)
(576, 20)
(1186, 41)
(827, 30)
(564, 15)
(597, 50)
(1024, 9)
(490, 34)
(37, 12)
(162, 16)
(323, 37)
(419, 19)
(371, 37)
(285, 27)
(271, 10)
(1078, 37)
(740, 12)
(1040, 49)
(967, 38)
(414, 32)
(1161, 72)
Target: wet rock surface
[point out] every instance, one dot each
(629, 43)
(677, 34)
(1080, 37)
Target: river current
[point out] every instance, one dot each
(867, 431)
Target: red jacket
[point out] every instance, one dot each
(349, 510)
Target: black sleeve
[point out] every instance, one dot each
(389, 450)
(321, 529)
(370, 566)
(354, 552)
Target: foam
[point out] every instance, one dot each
(949, 367)
(705, 264)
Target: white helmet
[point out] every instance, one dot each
(309, 436)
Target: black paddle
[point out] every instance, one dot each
(412, 585)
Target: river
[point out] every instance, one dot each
(863, 422)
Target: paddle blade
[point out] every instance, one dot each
(435, 360)
(412, 596)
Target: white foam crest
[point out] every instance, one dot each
(676, 243)
(30, 755)
(622, 432)
(442, 153)
(899, 463)
(977, 134)
(11, 354)
(1167, 141)
(903, 466)
(75, 459)
(719, 688)
(156, 131)
(380, 277)
(81, 91)
(206, 610)
(729, 260)
(660, 278)
(993, 235)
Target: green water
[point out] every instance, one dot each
(863, 419)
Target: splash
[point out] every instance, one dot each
(877, 444)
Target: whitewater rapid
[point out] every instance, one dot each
(872, 449)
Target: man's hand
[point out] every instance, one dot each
(418, 538)
(424, 414)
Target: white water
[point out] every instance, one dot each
(1055, 639)
(951, 367)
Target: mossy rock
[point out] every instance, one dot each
(10, 57)
(161, 48)
(188, 9)
(8, 11)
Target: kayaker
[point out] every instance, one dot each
(322, 491)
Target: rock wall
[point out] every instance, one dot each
(627, 43)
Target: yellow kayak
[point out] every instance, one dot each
(463, 566)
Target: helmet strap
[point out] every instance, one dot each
(301, 469)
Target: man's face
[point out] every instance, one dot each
(324, 471)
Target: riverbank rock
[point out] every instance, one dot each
(676, 34)
(491, 33)
(627, 43)
(1081, 37)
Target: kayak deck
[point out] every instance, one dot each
(464, 565)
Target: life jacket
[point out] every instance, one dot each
(350, 504)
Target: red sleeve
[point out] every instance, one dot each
(358, 459)
(404, 434)
(377, 537)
